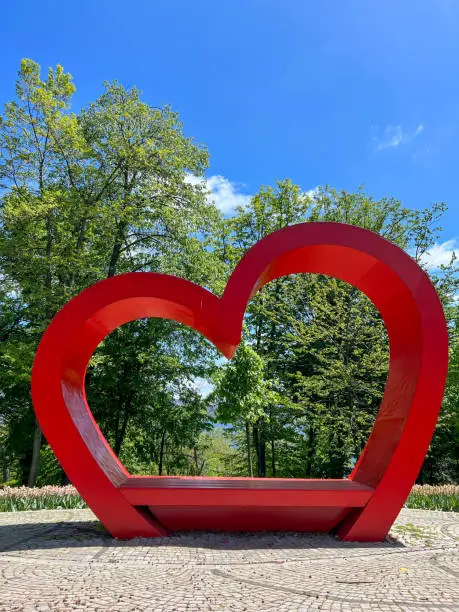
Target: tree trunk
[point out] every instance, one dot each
(161, 454)
(114, 258)
(249, 449)
(309, 453)
(35, 463)
(65, 480)
(120, 435)
(199, 468)
(120, 233)
(49, 274)
(273, 458)
(260, 447)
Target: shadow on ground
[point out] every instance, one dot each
(74, 534)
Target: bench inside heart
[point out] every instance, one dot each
(361, 507)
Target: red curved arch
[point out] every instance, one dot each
(415, 323)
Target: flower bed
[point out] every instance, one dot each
(50, 497)
(430, 497)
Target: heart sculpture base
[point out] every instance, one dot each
(246, 504)
(362, 507)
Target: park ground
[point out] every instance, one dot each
(59, 560)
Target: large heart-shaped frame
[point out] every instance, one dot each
(361, 507)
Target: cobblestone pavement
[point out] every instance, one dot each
(63, 560)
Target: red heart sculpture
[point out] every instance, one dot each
(361, 507)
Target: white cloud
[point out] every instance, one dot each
(394, 136)
(225, 194)
(313, 193)
(203, 386)
(439, 254)
(222, 192)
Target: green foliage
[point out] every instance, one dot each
(107, 190)
(84, 197)
(50, 472)
(215, 455)
(147, 370)
(442, 461)
(242, 391)
(323, 345)
(243, 395)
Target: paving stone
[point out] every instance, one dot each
(61, 560)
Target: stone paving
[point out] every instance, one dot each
(63, 560)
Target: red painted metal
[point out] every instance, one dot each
(362, 507)
(217, 492)
(261, 518)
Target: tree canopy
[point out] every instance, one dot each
(111, 189)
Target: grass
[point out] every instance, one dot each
(413, 531)
(16, 499)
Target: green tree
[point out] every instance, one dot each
(320, 339)
(159, 412)
(442, 462)
(87, 196)
(242, 396)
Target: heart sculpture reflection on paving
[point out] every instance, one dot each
(361, 507)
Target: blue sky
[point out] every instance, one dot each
(338, 93)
